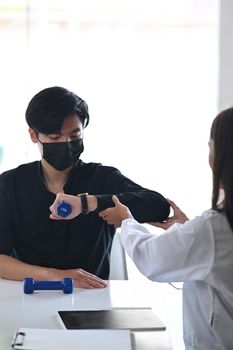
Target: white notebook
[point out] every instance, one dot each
(56, 339)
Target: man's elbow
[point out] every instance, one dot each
(165, 210)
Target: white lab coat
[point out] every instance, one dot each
(199, 253)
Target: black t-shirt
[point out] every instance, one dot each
(27, 232)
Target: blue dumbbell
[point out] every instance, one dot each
(66, 285)
(63, 209)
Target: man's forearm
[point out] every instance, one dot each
(13, 269)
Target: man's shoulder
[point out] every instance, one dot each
(21, 170)
(95, 167)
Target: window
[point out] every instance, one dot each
(147, 69)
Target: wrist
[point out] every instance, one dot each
(88, 202)
(53, 274)
(92, 203)
(84, 203)
(126, 216)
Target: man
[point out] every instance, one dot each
(34, 245)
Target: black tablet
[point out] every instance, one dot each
(135, 319)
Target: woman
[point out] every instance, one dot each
(198, 252)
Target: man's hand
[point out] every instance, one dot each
(115, 216)
(82, 278)
(74, 201)
(76, 205)
(178, 217)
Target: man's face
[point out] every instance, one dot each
(72, 129)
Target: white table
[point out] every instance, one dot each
(38, 310)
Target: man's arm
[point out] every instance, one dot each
(115, 216)
(13, 269)
(145, 205)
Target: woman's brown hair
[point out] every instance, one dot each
(222, 135)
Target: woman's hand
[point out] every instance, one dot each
(178, 217)
(115, 216)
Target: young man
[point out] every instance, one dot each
(33, 245)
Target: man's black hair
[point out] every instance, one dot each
(48, 109)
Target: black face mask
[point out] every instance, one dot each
(62, 155)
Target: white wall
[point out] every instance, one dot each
(225, 54)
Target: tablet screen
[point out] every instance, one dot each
(141, 319)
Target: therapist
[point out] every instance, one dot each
(198, 252)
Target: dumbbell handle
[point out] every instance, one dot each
(47, 285)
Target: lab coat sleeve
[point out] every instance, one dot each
(184, 252)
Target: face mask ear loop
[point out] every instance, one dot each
(40, 141)
(37, 133)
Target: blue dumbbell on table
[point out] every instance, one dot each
(66, 285)
(63, 209)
